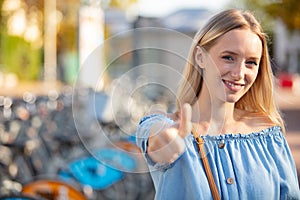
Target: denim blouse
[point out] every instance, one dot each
(245, 166)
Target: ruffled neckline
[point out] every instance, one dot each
(273, 130)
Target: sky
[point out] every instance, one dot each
(159, 8)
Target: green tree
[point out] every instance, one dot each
(122, 4)
(288, 11)
(13, 58)
(20, 46)
(268, 10)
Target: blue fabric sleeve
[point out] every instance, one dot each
(260, 164)
(142, 135)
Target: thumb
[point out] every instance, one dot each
(185, 124)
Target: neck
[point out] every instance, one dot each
(214, 114)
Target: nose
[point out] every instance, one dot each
(238, 71)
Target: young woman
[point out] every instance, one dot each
(225, 99)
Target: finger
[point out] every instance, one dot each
(185, 125)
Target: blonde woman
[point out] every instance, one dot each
(225, 101)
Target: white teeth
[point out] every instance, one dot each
(232, 84)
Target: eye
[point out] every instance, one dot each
(228, 58)
(252, 63)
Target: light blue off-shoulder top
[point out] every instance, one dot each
(252, 166)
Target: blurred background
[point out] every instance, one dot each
(75, 79)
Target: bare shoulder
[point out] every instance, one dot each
(258, 121)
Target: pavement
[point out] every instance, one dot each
(292, 119)
(288, 100)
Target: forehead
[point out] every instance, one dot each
(240, 41)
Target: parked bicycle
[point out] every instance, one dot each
(40, 148)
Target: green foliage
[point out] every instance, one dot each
(19, 57)
(268, 10)
(122, 4)
(288, 11)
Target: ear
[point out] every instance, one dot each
(199, 56)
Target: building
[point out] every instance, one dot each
(287, 48)
(162, 46)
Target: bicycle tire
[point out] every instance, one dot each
(24, 171)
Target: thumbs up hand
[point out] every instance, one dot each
(165, 142)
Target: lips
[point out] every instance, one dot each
(233, 86)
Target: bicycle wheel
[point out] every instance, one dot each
(52, 189)
(24, 172)
(139, 185)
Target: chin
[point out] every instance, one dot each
(232, 99)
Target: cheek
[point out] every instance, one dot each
(251, 75)
(218, 69)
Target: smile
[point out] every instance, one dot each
(235, 87)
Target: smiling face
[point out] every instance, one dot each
(233, 61)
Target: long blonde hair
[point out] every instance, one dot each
(260, 97)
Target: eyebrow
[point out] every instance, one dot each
(234, 53)
(229, 52)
